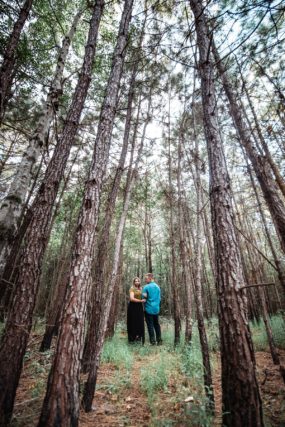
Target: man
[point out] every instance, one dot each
(151, 292)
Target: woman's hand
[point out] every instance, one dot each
(143, 300)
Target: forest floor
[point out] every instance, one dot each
(148, 386)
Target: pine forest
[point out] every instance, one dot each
(142, 213)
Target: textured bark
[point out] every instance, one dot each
(279, 179)
(12, 205)
(260, 163)
(110, 330)
(9, 58)
(56, 304)
(185, 273)
(281, 273)
(208, 384)
(61, 403)
(260, 304)
(102, 253)
(173, 272)
(96, 350)
(19, 322)
(241, 398)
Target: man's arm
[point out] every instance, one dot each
(144, 292)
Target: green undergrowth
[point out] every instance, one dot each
(116, 351)
(259, 333)
(168, 374)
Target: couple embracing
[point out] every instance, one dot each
(144, 303)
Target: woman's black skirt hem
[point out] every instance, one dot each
(135, 322)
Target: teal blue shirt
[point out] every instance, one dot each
(153, 298)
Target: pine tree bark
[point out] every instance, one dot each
(173, 271)
(208, 383)
(185, 273)
(97, 347)
(241, 398)
(279, 179)
(281, 273)
(9, 58)
(61, 403)
(12, 205)
(110, 330)
(260, 163)
(19, 322)
(102, 253)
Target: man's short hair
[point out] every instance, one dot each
(150, 275)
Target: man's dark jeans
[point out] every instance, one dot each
(153, 325)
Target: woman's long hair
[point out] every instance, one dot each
(137, 278)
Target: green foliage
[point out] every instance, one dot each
(117, 352)
(155, 376)
(258, 331)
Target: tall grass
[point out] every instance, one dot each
(117, 352)
(258, 331)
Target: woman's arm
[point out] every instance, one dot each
(133, 299)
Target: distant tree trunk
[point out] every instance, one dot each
(185, 273)
(11, 268)
(15, 337)
(90, 385)
(6, 157)
(208, 235)
(208, 383)
(61, 403)
(147, 228)
(174, 279)
(260, 164)
(281, 273)
(102, 253)
(241, 399)
(58, 291)
(115, 299)
(279, 179)
(9, 58)
(278, 90)
(272, 346)
(97, 302)
(12, 205)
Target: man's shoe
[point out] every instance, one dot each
(159, 342)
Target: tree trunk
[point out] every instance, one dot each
(110, 330)
(61, 403)
(9, 58)
(8, 154)
(185, 273)
(281, 273)
(208, 384)
(102, 254)
(96, 350)
(260, 164)
(12, 205)
(274, 167)
(173, 279)
(241, 398)
(19, 323)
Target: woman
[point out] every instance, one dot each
(135, 317)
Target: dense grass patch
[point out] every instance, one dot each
(259, 333)
(117, 352)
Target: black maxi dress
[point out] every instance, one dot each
(135, 319)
